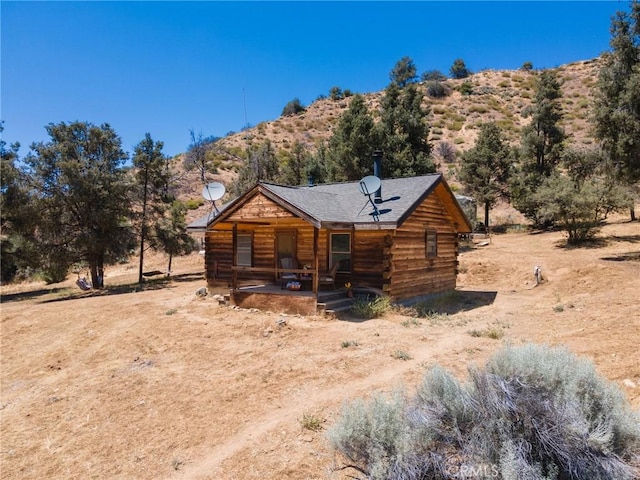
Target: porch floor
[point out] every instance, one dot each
(273, 289)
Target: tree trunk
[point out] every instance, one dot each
(141, 264)
(93, 268)
(100, 269)
(632, 212)
(486, 215)
(169, 268)
(143, 230)
(96, 267)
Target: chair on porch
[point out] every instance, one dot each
(329, 278)
(288, 263)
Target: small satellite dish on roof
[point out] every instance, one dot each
(368, 186)
(212, 192)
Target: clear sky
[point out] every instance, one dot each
(168, 67)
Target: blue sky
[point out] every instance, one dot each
(168, 67)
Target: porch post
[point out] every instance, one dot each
(315, 260)
(234, 273)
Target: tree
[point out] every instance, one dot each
(171, 233)
(352, 143)
(404, 72)
(294, 107)
(616, 116)
(335, 93)
(402, 133)
(527, 66)
(261, 165)
(82, 195)
(542, 138)
(294, 166)
(486, 168)
(152, 180)
(437, 89)
(542, 144)
(581, 197)
(197, 154)
(16, 214)
(316, 169)
(433, 75)
(459, 70)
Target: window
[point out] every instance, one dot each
(431, 243)
(244, 249)
(341, 251)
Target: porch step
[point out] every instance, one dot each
(336, 304)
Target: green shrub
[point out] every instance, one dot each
(365, 308)
(466, 88)
(193, 203)
(294, 107)
(533, 412)
(437, 89)
(349, 343)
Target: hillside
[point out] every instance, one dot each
(498, 95)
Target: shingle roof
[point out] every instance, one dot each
(345, 203)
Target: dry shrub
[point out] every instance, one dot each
(534, 412)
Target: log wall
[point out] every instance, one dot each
(410, 272)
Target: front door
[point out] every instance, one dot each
(285, 246)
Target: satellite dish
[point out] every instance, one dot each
(213, 191)
(370, 185)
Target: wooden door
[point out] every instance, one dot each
(285, 246)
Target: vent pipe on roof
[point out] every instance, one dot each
(377, 171)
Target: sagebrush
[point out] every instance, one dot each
(533, 412)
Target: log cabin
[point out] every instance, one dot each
(403, 243)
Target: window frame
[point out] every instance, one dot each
(244, 249)
(431, 243)
(332, 252)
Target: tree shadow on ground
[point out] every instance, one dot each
(600, 242)
(30, 295)
(455, 302)
(69, 293)
(448, 303)
(624, 257)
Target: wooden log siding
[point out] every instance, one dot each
(409, 272)
(218, 256)
(260, 208)
(368, 266)
(219, 250)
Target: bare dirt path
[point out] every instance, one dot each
(161, 384)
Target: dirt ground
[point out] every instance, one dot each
(161, 384)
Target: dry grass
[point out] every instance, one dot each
(112, 386)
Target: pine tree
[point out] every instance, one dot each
(402, 133)
(152, 180)
(486, 168)
(542, 145)
(617, 99)
(82, 194)
(352, 143)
